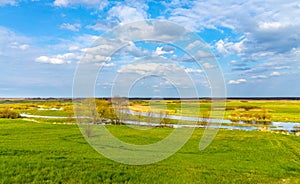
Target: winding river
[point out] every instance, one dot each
(279, 126)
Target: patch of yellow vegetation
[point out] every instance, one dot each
(256, 110)
(139, 108)
(31, 120)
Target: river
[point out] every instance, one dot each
(279, 126)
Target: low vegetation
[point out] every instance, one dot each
(7, 113)
(245, 110)
(276, 110)
(260, 117)
(56, 153)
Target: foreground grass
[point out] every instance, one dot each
(47, 153)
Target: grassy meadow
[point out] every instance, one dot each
(278, 110)
(34, 150)
(42, 152)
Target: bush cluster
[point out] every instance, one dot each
(251, 117)
(7, 113)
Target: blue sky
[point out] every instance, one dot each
(256, 44)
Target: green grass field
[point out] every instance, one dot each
(43, 152)
(279, 110)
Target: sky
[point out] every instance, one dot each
(254, 47)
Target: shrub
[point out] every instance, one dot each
(262, 117)
(7, 113)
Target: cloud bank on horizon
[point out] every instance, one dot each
(256, 43)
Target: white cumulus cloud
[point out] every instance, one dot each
(259, 77)
(238, 81)
(275, 74)
(230, 48)
(99, 4)
(57, 59)
(126, 14)
(193, 70)
(160, 51)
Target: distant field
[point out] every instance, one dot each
(42, 152)
(278, 110)
(286, 111)
(31, 107)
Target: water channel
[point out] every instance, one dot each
(221, 123)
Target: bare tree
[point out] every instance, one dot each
(139, 113)
(86, 113)
(120, 109)
(162, 118)
(90, 110)
(149, 117)
(78, 111)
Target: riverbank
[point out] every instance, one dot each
(212, 123)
